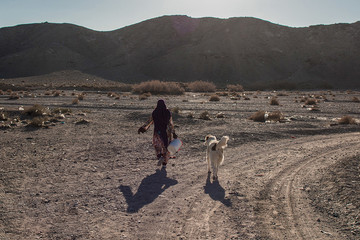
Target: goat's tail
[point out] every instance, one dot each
(223, 142)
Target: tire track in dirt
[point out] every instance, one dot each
(283, 202)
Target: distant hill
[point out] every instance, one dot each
(248, 51)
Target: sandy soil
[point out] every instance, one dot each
(99, 180)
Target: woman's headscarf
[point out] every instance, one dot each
(161, 116)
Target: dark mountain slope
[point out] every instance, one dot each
(179, 48)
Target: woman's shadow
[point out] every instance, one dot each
(216, 191)
(150, 188)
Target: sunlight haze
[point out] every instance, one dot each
(109, 15)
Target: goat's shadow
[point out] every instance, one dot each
(216, 191)
(150, 188)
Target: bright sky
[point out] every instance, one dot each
(105, 15)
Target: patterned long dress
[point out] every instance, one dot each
(159, 145)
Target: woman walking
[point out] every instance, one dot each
(163, 131)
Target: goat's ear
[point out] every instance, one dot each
(206, 138)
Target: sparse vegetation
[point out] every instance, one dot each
(144, 96)
(62, 110)
(14, 96)
(259, 116)
(202, 86)
(235, 88)
(157, 87)
(81, 96)
(75, 101)
(214, 98)
(205, 115)
(355, 99)
(274, 101)
(275, 116)
(310, 101)
(37, 122)
(347, 120)
(37, 111)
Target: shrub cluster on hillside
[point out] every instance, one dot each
(201, 86)
(158, 87)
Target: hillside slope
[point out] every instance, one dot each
(180, 48)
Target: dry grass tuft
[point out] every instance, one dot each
(81, 96)
(347, 120)
(14, 96)
(62, 110)
(75, 101)
(144, 96)
(56, 93)
(275, 116)
(235, 88)
(274, 101)
(310, 101)
(37, 111)
(205, 115)
(355, 99)
(37, 122)
(214, 98)
(3, 116)
(202, 86)
(259, 116)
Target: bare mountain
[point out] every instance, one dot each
(179, 48)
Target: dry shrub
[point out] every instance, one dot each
(281, 94)
(81, 96)
(347, 120)
(56, 93)
(14, 96)
(61, 110)
(75, 101)
(37, 122)
(144, 96)
(214, 98)
(204, 115)
(235, 88)
(259, 116)
(303, 99)
(37, 111)
(158, 87)
(202, 86)
(276, 116)
(246, 98)
(3, 116)
(310, 101)
(274, 101)
(223, 94)
(355, 99)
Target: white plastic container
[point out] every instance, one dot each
(174, 146)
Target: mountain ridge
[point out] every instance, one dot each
(179, 48)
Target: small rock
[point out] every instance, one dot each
(82, 121)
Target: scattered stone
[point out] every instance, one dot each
(82, 121)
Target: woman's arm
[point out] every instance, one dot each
(146, 126)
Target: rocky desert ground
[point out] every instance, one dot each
(83, 172)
